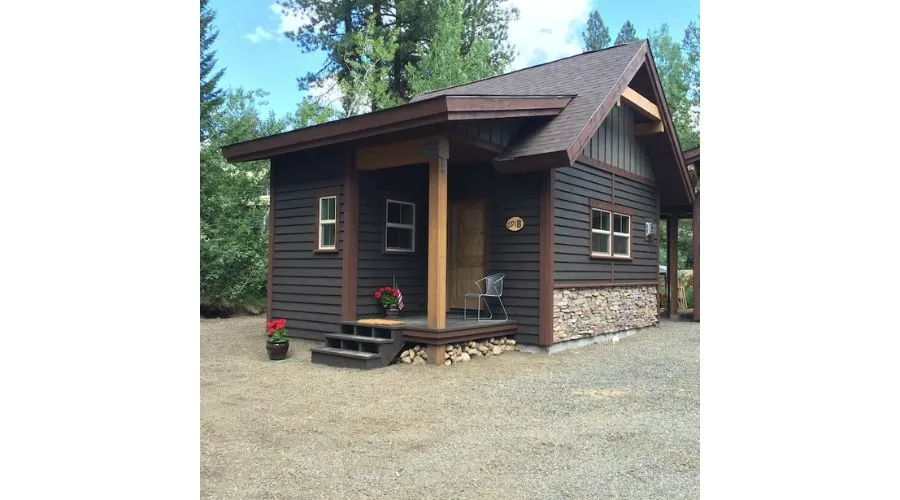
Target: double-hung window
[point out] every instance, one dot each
(327, 223)
(610, 231)
(400, 226)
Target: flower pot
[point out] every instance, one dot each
(392, 312)
(277, 350)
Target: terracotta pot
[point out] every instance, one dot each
(277, 350)
(392, 312)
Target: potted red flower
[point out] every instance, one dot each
(277, 341)
(389, 298)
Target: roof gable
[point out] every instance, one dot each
(596, 80)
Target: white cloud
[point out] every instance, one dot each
(258, 35)
(545, 32)
(288, 22)
(328, 92)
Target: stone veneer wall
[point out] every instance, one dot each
(586, 312)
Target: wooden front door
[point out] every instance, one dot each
(465, 262)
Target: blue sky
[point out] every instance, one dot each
(256, 56)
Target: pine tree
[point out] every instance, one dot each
(596, 34)
(333, 28)
(442, 62)
(626, 34)
(211, 97)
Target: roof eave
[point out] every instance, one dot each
(415, 114)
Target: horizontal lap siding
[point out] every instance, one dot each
(517, 254)
(377, 268)
(575, 186)
(644, 201)
(306, 286)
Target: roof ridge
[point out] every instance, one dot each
(423, 96)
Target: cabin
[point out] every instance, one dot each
(554, 176)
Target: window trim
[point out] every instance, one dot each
(319, 196)
(388, 224)
(613, 210)
(608, 234)
(627, 254)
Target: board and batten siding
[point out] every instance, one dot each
(615, 143)
(575, 186)
(306, 286)
(498, 132)
(376, 268)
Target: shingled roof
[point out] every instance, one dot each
(592, 77)
(565, 101)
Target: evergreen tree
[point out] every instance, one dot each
(596, 34)
(675, 70)
(211, 97)
(442, 63)
(335, 27)
(691, 45)
(626, 34)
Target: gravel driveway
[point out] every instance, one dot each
(608, 420)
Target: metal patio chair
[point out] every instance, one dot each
(493, 287)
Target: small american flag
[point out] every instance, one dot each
(400, 304)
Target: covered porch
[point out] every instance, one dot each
(673, 214)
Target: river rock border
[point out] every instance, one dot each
(587, 312)
(461, 352)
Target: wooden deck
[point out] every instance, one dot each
(414, 328)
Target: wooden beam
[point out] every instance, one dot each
(648, 128)
(672, 269)
(351, 243)
(437, 234)
(697, 257)
(641, 104)
(394, 154)
(546, 251)
(271, 249)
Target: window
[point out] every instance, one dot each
(327, 223)
(621, 235)
(610, 230)
(400, 226)
(600, 232)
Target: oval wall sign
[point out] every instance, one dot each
(515, 224)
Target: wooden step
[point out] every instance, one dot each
(334, 351)
(358, 338)
(345, 358)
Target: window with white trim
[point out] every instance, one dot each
(610, 234)
(328, 223)
(400, 226)
(621, 235)
(600, 232)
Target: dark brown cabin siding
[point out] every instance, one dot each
(377, 268)
(615, 143)
(306, 286)
(517, 253)
(575, 186)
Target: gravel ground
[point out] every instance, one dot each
(608, 420)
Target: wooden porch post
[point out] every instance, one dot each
(437, 234)
(697, 257)
(672, 236)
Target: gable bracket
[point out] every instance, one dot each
(641, 104)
